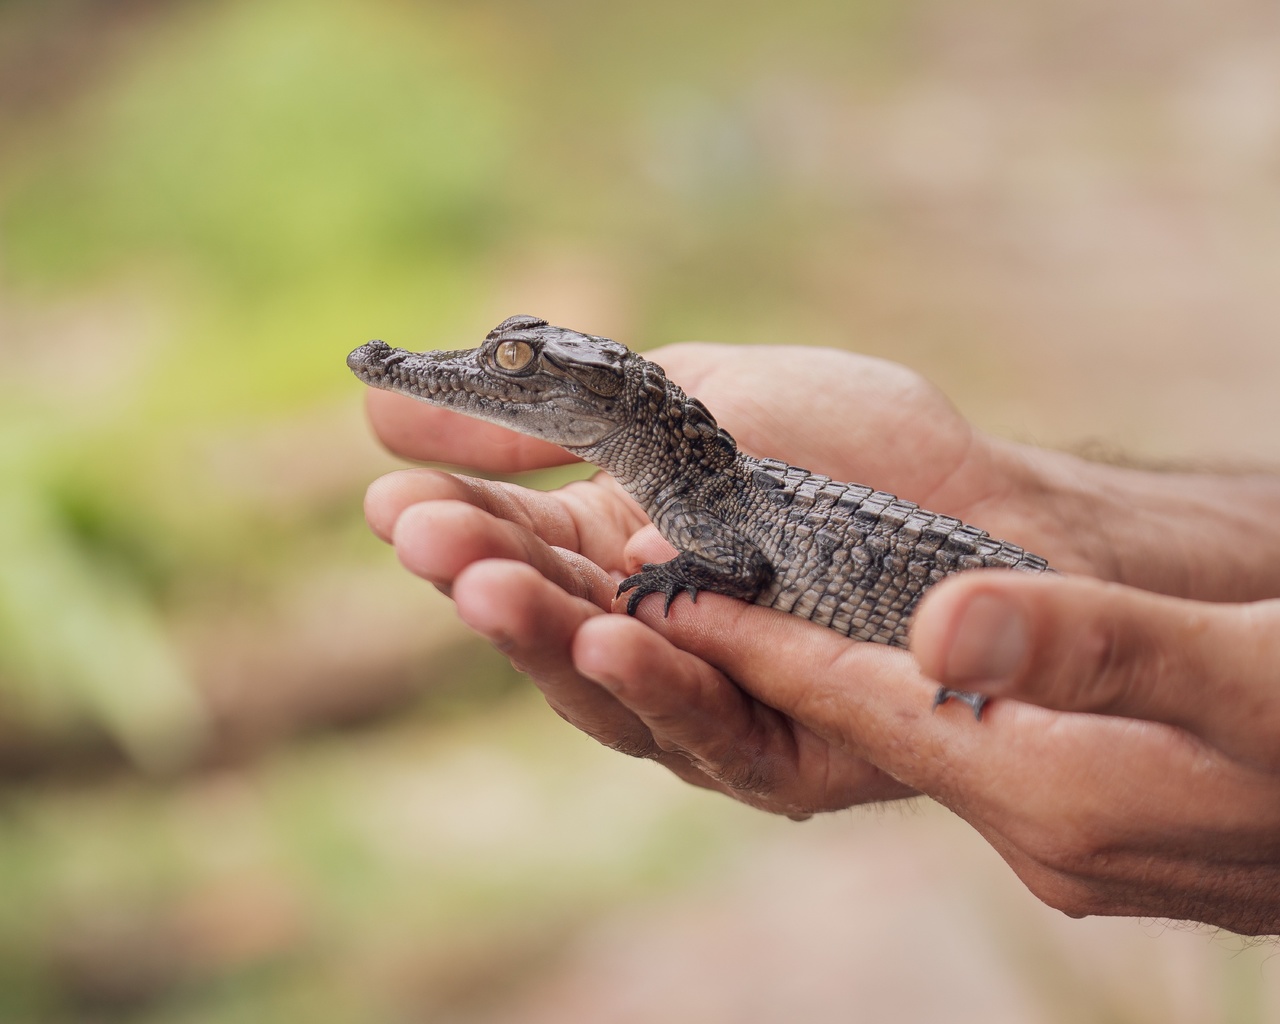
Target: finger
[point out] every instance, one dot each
(790, 664)
(866, 699)
(644, 546)
(437, 540)
(693, 709)
(1076, 644)
(539, 511)
(1099, 814)
(533, 622)
(442, 540)
(1045, 780)
(586, 516)
(530, 620)
(427, 433)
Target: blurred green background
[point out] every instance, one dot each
(251, 770)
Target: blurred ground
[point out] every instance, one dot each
(249, 769)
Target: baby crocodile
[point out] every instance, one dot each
(843, 555)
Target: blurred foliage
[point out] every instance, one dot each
(375, 876)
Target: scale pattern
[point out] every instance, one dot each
(856, 559)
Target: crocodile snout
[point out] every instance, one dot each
(372, 356)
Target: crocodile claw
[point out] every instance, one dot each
(975, 700)
(655, 578)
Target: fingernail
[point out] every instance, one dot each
(988, 644)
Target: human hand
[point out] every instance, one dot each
(576, 542)
(1134, 772)
(558, 555)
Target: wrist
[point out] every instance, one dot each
(1213, 537)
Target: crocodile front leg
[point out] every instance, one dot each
(743, 575)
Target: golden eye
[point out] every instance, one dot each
(514, 355)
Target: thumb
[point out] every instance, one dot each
(1078, 644)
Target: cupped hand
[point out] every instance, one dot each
(527, 569)
(1135, 772)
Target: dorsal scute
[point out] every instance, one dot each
(519, 322)
(685, 414)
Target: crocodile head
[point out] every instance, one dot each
(548, 382)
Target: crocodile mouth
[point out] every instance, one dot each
(537, 404)
(432, 376)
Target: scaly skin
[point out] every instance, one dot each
(842, 555)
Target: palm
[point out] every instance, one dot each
(559, 553)
(849, 416)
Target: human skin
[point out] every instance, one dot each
(1134, 767)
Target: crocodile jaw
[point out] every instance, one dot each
(540, 405)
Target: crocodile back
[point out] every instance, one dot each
(856, 559)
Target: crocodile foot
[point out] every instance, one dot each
(657, 578)
(975, 700)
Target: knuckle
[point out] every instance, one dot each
(1115, 663)
(1068, 896)
(743, 775)
(1122, 673)
(1097, 657)
(1076, 897)
(641, 747)
(796, 811)
(1096, 675)
(1079, 850)
(632, 743)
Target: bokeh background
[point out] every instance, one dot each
(252, 770)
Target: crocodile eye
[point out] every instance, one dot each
(513, 355)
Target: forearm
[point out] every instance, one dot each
(1212, 537)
